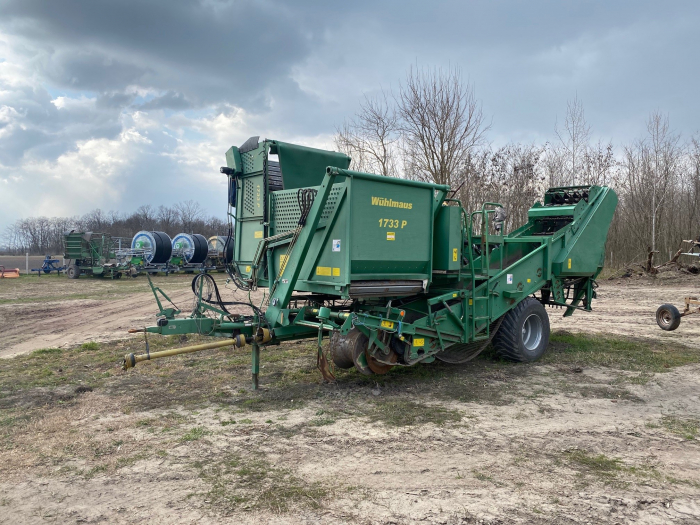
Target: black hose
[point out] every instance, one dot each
(200, 249)
(220, 302)
(305, 198)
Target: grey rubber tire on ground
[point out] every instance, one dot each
(524, 333)
(668, 317)
(73, 272)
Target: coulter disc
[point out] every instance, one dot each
(378, 367)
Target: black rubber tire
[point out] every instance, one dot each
(668, 317)
(201, 249)
(514, 342)
(163, 249)
(73, 272)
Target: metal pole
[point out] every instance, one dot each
(256, 364)
(27, 261)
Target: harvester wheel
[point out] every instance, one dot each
(524, 333)
(668, 317)
(73, 272)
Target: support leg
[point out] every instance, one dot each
(256, 364)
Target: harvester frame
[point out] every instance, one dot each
(394, 269)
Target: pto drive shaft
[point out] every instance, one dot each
(130, 360)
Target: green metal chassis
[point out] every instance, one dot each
(457, 308)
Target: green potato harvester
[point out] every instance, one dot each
(394, 271)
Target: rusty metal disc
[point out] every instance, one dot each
(359, 354)
(343, 347)
(378, 367)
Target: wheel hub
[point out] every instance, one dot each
(532, 332)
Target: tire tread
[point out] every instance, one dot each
(506, 342)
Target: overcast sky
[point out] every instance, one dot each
(130, 102)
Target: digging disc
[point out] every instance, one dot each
(463, 352)
(380, 368)
(359, 355)
(346, 348)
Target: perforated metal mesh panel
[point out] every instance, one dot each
(248, 162)
(249, 196)
(286, 212)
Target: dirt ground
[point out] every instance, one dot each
(603, 430)
(54, 311)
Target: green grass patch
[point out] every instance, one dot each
(619, 353)
(194, 434)
(250, 482)
(401, 413)
(600, 465)
(687, 428)
(91, 346)
(46, 352)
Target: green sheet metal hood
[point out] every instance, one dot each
(302, 166)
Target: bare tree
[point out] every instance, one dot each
(188, 212)
(574, 137)
(664, 157)
(441, 122)
(370, 138)
(598, 164)
(167, 217)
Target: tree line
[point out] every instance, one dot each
(432, 128)
(44, 235)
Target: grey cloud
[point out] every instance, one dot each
(209, 51)
(115, 100)
(300, 68)
(170, 100)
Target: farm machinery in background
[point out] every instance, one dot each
(150, 252)
(668, 317)
(89, 253)
(48, 265)
(393, 270)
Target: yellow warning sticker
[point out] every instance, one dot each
(569, 264)
(419, 342)
(247, 269)
(283, 262)
(387, 324)
(470, 302)
(258, 234)
(528, 280)
(454, 295)
(336, 272)
(390, 236)
(454, 254)
(323, 270)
